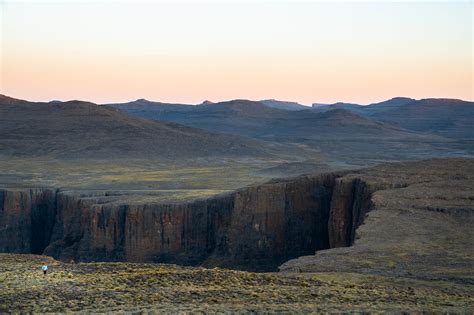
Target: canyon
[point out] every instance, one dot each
(256, 228)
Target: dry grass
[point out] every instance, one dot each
(139, 181)
(143, 180)
(101, 287)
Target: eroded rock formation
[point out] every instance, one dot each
(256, 228)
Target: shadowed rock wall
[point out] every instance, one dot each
(27, 218)
(256, 228)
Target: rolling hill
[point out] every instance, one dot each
(256, 120)
(446, 117)
(449, 118)
(241, 117)
(238, 128)
(77, 129)
(340, 135)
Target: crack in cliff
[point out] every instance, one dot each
(43, 218)
(27, 219)
(255, 228)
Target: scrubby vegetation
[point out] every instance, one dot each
(104, 287)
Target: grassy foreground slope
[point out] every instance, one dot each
(113, 287)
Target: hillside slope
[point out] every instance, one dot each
(170, 289)
(78, 129)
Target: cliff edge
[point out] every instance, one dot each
(255, 228)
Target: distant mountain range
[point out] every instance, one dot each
(445, 117)
(449, 118)
(387, 130)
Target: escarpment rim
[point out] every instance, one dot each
(257, 228)
(254, 228)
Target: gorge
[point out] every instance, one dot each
(254, 228)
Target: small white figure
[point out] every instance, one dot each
(45, 269)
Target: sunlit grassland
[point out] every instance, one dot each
(151, 180)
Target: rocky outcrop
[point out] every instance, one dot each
(256, 228)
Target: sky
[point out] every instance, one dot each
(191, 51)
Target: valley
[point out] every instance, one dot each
(306, 210)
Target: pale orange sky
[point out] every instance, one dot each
(187, 52)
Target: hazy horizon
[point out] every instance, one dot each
(187, 52)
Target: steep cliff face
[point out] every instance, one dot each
(26, 219)
(256, 228)
(272, 222)
(351, 200)
(177, 233)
